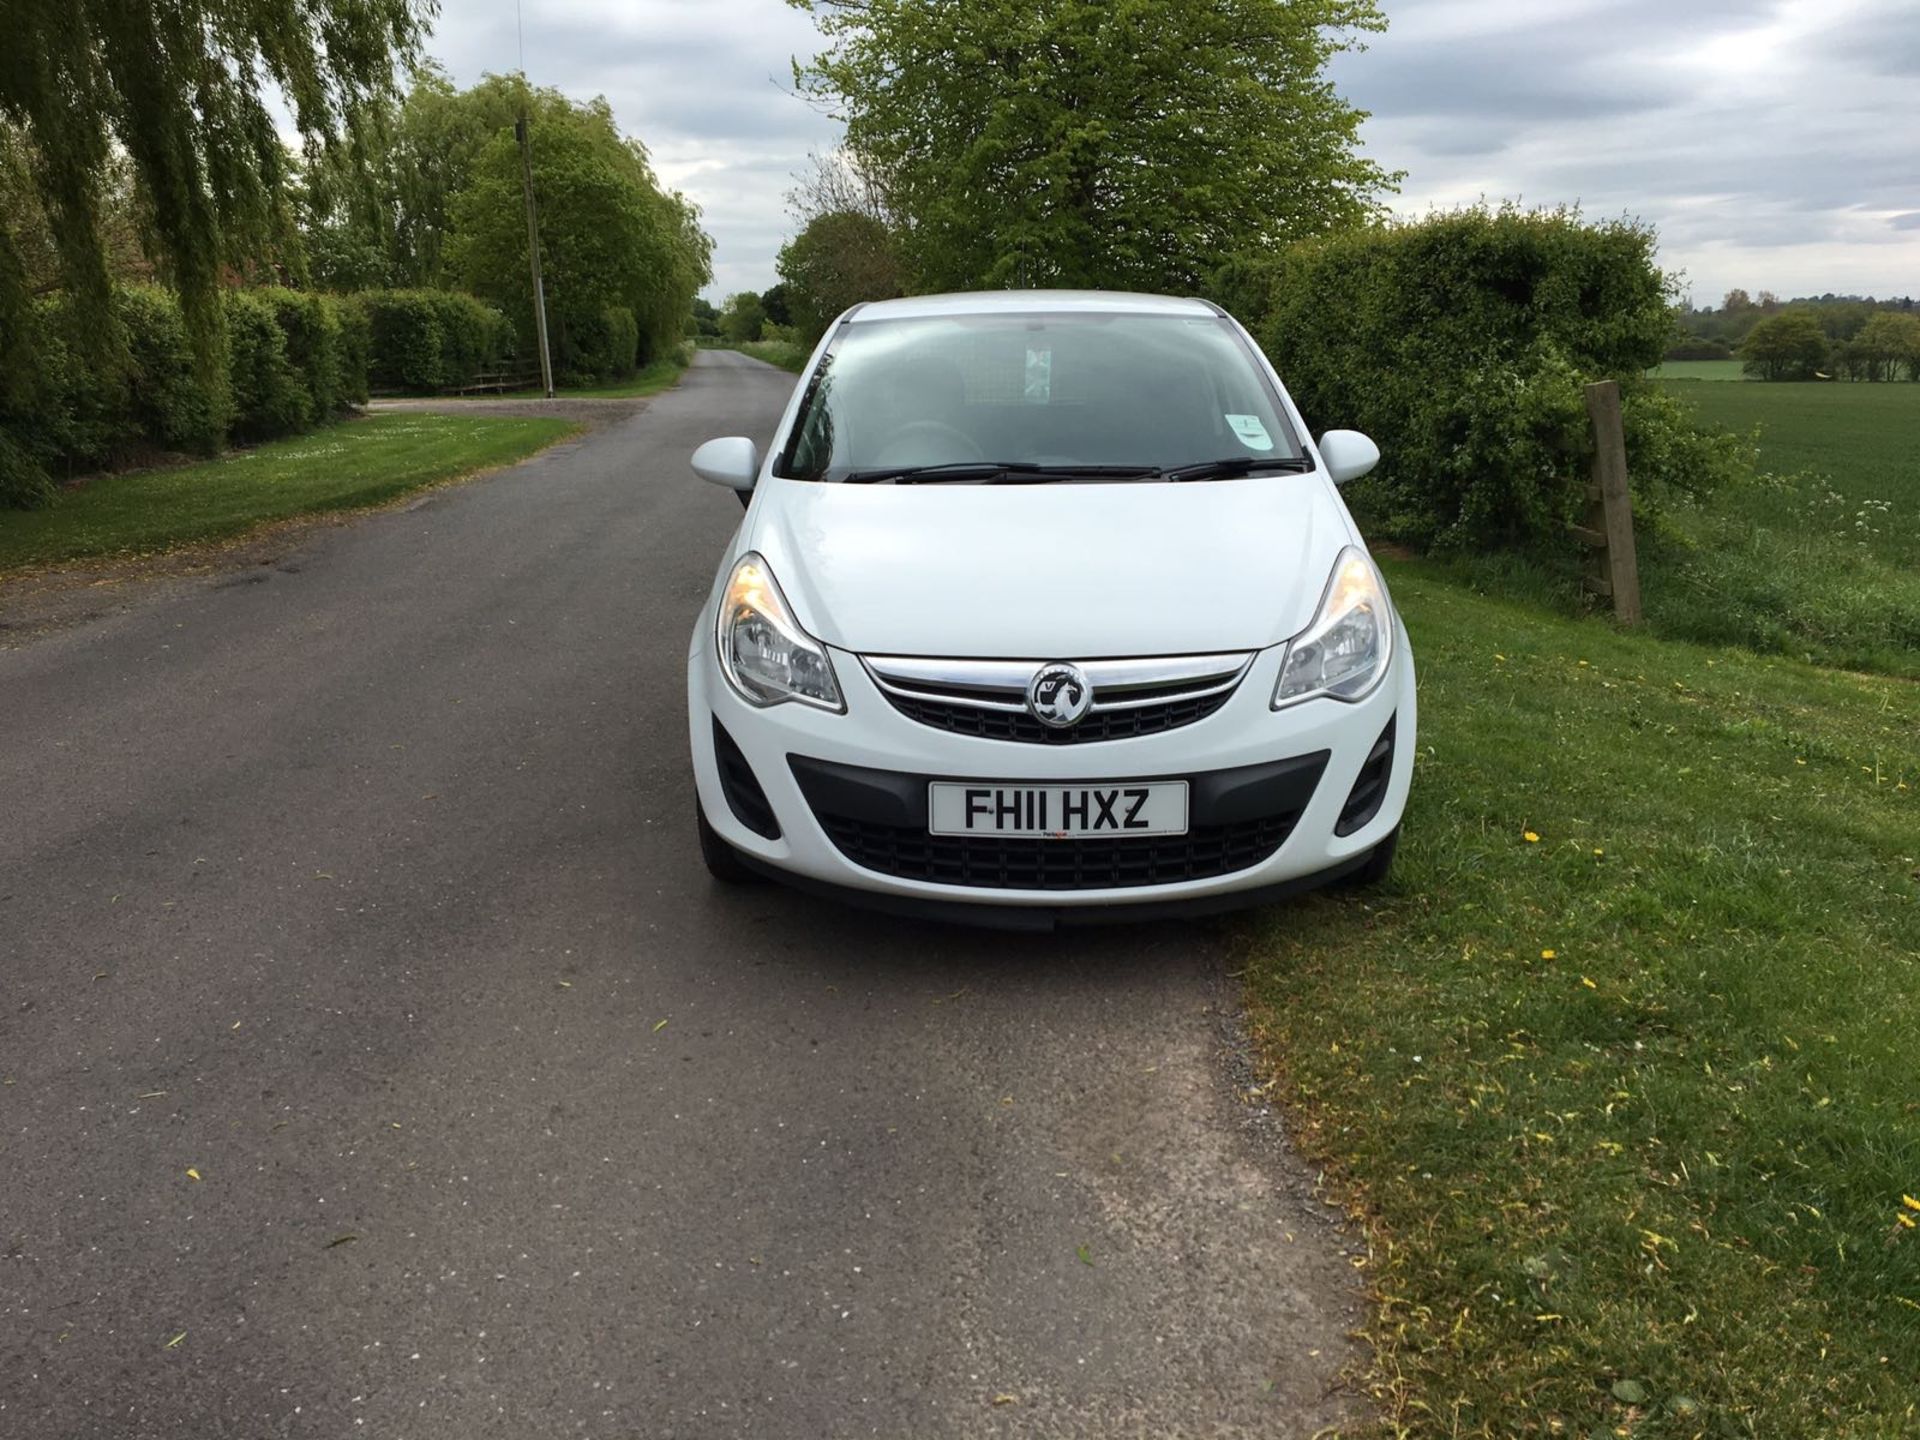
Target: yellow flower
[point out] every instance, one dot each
(1546, 954)
(1532, 839)
(1588, 983)
(1599, 852)
(1910, 1202)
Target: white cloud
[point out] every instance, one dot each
(1768, 143)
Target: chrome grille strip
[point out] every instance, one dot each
(1002, 684)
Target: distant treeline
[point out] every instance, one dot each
(1716, 332)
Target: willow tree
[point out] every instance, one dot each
(1134, 145)
(180, 88)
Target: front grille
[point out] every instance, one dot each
(963, 719)
(1082, 864)
(987, 698)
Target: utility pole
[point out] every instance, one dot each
(533, 257)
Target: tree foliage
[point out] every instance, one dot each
(180, 91)
(1886, 347)
(1461, 344)
(743, 317)
(1132, 146)
(610, 238)
(838, 260)
(378, 211)
(1787, 346)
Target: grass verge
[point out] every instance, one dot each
(341, 467)
(1629, 1106)
(784, 353)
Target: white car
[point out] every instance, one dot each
(1045, 608)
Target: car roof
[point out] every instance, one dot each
(1028, 302)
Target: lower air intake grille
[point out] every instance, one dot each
(745, 798)
(1088, 864)
(1370, 790)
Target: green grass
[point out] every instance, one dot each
(1821, 558)
(1632, 1104)
(1699, 370)
(1861, 442)
(784, 353)
(340, 467)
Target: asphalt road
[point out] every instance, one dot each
(363, 887)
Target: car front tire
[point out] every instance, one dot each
(722, 860)
(1379, 864)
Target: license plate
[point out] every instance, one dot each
(1058, 812)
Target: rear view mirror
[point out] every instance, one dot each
(1348, 455)
(732, 462)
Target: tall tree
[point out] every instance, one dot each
(1787, 346)
(180, 89)
(1083, 142)
(610, 238)
(839, 259)
(743, 316)
(378, 210)
(1888, 344)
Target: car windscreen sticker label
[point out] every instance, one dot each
(1252, 433)
(1039, 388)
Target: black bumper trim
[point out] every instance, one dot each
(1237, 819)
(1214, 797)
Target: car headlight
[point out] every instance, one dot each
(763, 651)
(1344, 652)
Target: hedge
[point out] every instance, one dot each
(430, 340)
(604, 347)
(1461, 344)
(292, 360)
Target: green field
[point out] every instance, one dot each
(1619, 1069)
(1821, 557)
(1699, 370)
(1861, 442)
(341, 467)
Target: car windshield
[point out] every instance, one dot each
(1110, 395)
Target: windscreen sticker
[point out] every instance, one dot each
(1251, 432)
(1039, 388)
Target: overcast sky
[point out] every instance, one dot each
(1771, 142)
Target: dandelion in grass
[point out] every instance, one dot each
(1549, 954)
(1531, 838)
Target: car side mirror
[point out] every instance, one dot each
(1348, 455)
(732, 462)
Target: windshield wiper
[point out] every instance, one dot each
(1236, 465)
(952, 470)
(993, 472)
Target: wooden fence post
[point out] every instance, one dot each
(1609, 527)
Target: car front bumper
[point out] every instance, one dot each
(846, 793)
